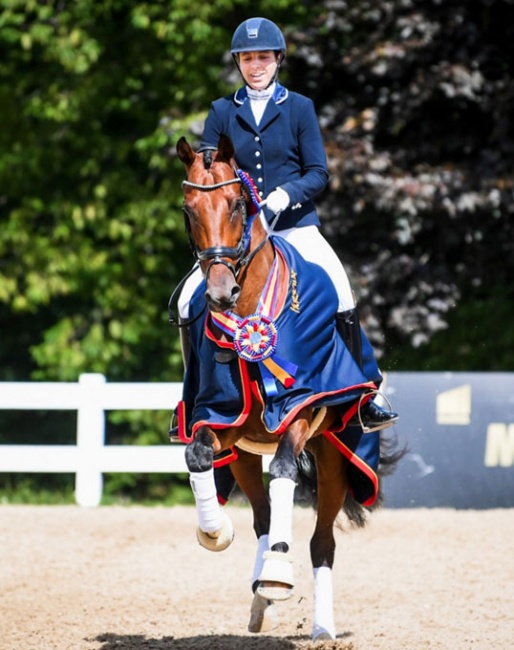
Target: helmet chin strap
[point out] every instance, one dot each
(277, 69)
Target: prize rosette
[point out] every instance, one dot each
(255, 338)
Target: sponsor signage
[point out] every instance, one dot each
(459, 430)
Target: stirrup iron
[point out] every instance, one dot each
(378, 427)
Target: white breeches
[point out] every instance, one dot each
(187, 293)
(313, 247)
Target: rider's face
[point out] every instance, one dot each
(258, 68)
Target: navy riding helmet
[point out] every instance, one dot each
(258, 35)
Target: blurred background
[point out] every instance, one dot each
(416, 102)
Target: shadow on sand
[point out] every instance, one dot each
(216, 642)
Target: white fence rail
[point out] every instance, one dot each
(458, 425)
(90, 457)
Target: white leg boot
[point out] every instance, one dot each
(323, 626)
(277, 566)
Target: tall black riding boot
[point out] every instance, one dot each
(372, 416)
(185, 344)
(349, 328)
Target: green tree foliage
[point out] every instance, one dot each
(93, 96)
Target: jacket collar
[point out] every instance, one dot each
(280, 94)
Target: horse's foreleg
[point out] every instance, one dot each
(283, 477)
(215, 531)
(276, 580)
(247, 471)
(332, 487)
(263, 613)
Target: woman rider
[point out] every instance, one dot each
(278, 142)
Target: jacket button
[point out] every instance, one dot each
(257, 154)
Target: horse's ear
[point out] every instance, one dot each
(185, 152)
(226, 149)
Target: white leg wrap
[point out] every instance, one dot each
(263, 546)
(207, 506)
(281, 492)
(323, 626)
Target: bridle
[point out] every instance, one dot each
(216, 254)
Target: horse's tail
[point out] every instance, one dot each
(307, 491)
(390, 455)
(307, 488)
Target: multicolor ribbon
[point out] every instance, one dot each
(255, 337)
(251, 188)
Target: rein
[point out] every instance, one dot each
(174, 296)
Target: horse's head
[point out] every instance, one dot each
(216, 218)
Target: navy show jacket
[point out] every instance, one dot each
(285, 150)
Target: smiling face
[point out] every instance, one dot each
(258, 68)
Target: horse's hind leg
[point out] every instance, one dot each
(332, 488)
(215, 531)
(247, 471)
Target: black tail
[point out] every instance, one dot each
(307, 490)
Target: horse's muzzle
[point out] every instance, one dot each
(222, 288)
(220, 303)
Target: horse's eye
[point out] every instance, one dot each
(237, 208)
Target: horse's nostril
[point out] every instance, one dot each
(220, 303)
(236, 290)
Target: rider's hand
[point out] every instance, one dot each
(278, 200)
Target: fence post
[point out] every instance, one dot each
(90, 440)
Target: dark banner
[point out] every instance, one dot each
(459, 430)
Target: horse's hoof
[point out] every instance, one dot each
(321, 634)
(220, 539)
(263, 615)
(274, 590)
(276, 581)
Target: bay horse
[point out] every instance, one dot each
(240, 405)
